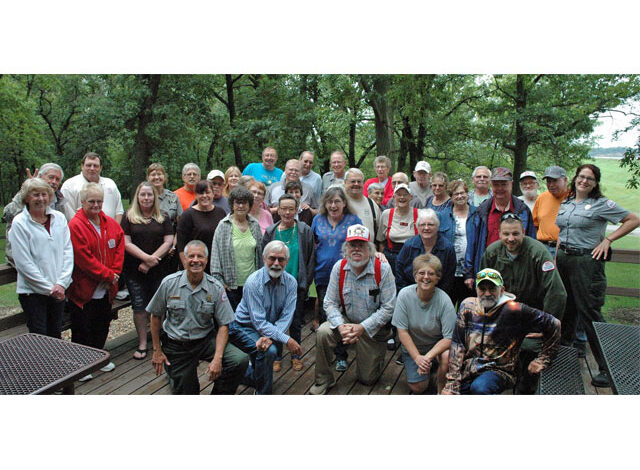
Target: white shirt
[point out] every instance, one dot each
(111, 206)
(42, 259)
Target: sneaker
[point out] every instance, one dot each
(277, 365)
(341, 366)
(109, 367)
(85, 378)
(391, 344)
(399, 361)
(297, 364)
(601, 380)
(122, 295)
(320, 389)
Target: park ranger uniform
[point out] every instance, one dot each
(192, 317)
(532, 276)
(582, 228)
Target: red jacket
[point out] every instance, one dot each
(388, 188)
(95, 259)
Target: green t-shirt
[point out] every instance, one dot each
(290, 238)
(244, 249)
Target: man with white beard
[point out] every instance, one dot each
(529, 186)
(359, 303)
(264, 316)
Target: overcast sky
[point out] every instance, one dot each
(613, 121)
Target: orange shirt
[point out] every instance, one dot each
(544, 215)
(187, 197)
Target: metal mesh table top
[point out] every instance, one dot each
(563, 376)
(32, 363)
(620, 345)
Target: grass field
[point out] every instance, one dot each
(612, 185)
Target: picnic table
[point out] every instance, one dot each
(620, 346)
(34, 364)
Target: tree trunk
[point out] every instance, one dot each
(522, 140)
(383, 115)
(231, 106)
(143, 145)
(352, 144)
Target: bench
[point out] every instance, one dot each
(563, 376)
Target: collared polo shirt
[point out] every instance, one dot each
(190, 312)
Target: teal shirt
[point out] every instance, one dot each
(244, 248)
(290, 238)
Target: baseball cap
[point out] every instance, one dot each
(423, 166)
(357, 232)
(528, 174)
(501, 174)
(489, 274)
(554, 172)
(402, 186)
(215, 174)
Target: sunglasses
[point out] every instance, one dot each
(488, 274)
(510, 215)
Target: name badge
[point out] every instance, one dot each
(111, 243)
(404, 224)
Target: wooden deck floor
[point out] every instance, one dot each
(134, 377)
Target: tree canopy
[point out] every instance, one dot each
(456, 122)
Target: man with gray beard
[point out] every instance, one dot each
(529, 186)
(264, 315)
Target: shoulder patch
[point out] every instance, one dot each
(610, 204)
(223, 297)
(548, 266)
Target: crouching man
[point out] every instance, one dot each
(196, 315)
(265, 314)
(487, 337)
(359, 304)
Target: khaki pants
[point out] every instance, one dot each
(370, 354)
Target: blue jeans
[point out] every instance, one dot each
(259, 374)
(295, 330)
(487, 383)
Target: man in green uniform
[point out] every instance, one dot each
(529, 272)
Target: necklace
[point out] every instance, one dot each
(293, 234)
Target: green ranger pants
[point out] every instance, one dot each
(586, 283)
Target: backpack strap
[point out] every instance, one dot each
(373, 216)
(415, 220)
(389, 244)
(342, 275)
(377, 269)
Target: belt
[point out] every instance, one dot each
(184, 342)
(575, 251)
(551, 243)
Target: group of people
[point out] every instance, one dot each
(223, 266)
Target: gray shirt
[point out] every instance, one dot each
(583, 224)
(277, 189)
(420, 194)
(190, 313)
(170, 204)
(329, 179)
(426, 323)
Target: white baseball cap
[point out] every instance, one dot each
(528, 174)
(357, 232)
(423, 166)
(215, 174)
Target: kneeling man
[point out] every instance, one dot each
(196, 315)
(359, 304)
(265, 314)
(487, 337)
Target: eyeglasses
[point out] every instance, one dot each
(510, 215)
(586, 178)
(488, 274)
(273, 259)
